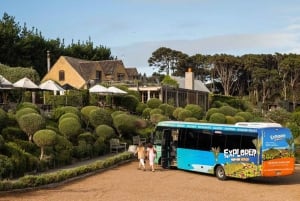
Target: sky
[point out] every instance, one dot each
(134, 29)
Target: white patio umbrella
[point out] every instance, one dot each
(4, 83)
(115, 90)
(25, 83)
(51, 86)
(98, 89)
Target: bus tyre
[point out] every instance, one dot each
(220, 173)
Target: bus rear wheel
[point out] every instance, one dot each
(220, 173)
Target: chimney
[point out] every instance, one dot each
(48, 60)
(189, 79)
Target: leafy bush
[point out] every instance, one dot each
(3, 119)
(197, 111)
(129, 102)
(230, 120)
(12, 133)
(183, 114)
(69, 114)
(105, 131)
(156, 111)
(146, 113)
(69, 127)
(217, 118)
(154, 103)
(28, 105)
(167, 109)
(228, 110)
(24, 111)
(43, 138)
(100, 116)
(140, 108)
(176, 112)
(246, 115)
(155, 118)
(191, 119)
(125, 125)
(30, 123)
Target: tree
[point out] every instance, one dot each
(43, 138)
(226, 68)
(31, 123)
(165, 59)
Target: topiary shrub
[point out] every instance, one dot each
(105, 132)
(43, 138)
(167, 109)
(125, 125)
(27, 105)
(155, 118)
(146, 113)
(191, 119)
(228, 110)
(23, 111)
(63, 151)
(230, 120)
(129, 102)
(246, 115)
(154, 103)
(239, 118)
(12, 133)
(217, 118)
(68, 114)
(30, 123)
(88, 137)
(156, 111)
(210, 112)
(176, 112)
(100, 116)
(140, 108)
(197, 111)
(183, 114)
(69, 127)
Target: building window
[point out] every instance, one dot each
(61, 75)
(121, 76)
(98, 76)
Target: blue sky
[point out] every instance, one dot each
(133, 29)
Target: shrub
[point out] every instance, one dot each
(228, 110)
(12, 133)
(217, 118)
(197, 111)
(24, 111)
(43, 138)
(146, 113)
(230, 120)
(129, 102)
(154, 103)
(28, 105)
(167, 109)
(140, 108)
(69, 114)
(155, 118)
(69, 127)
(88, 137)
(210, 112)
(191, 119)
(100, 116)
(125, 125)
(156, 111)
(30, 123)
(176, 112)
(3, 119)
(105, 131)
(183, 114)
(246, 115)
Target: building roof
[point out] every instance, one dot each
(131, 72)
(198, 84)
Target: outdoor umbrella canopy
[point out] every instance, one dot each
(98, 89)
(115, 90)
(4, 83)
(51, 86)
(25, 83)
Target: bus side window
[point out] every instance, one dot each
(247, 142)
(233, 141)
(218, 141)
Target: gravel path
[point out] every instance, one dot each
(126, 182)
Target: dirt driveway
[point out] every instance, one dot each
(125, 182)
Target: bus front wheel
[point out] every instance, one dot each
(220, 173)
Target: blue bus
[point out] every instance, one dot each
(243, 150)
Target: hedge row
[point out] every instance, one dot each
(30, 182)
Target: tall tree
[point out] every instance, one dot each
(226, 68)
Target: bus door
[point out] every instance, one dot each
(166, 148)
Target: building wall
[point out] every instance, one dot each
(71, 76)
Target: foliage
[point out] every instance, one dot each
(230, 120)
(191, 119)
(176, 112)
(125, 125)
(156, 111)
(3, 119)
(27, 105)
(217, 118)
(23, 111)
(43, 138)
(183, 114)
(146, 113)
(100, 116)
(168, 81)
(30, 123)
(105, 132)
(167, 109)
(140, 108)
(155, 118)
(246, 115)
(228, 110)
(69, 114)
(129, 102)
(69, 127)
(197, 111)
(154, 103)
(279, 115)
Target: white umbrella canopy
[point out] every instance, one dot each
(4, 83)
(98, 89)
(25, 83)
(51, 86)
(115, 90)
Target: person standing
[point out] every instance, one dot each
(151, 154)
(140, 151)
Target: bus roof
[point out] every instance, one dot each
(258, 124)
(249, 128)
